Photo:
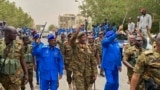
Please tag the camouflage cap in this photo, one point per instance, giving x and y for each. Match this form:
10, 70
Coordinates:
80, 34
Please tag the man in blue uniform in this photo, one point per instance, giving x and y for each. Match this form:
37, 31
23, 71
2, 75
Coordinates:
36, 57
50, 65
111, 59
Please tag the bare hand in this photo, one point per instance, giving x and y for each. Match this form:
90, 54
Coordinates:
138, 31
60, 77
25, 78
120, 69
38, 40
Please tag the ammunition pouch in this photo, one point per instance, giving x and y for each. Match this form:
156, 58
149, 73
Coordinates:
10, 66
28, 58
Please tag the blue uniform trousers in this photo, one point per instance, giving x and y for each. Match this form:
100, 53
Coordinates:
112, 79
48, 84
37, 72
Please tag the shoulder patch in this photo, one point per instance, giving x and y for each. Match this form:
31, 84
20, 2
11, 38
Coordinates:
148, 52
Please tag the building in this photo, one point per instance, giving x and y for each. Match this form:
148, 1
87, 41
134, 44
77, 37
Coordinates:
70, 20
66, 20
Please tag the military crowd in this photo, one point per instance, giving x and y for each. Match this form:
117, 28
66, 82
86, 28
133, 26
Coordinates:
79, 54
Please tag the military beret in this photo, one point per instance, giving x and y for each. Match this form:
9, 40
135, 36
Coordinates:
109, 33
80, 34
36, 35
50, 36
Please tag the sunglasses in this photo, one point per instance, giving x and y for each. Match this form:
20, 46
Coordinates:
139, 40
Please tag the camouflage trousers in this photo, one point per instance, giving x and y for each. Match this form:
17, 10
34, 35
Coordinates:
82, 80
30, 77
8, 84
129, 73
68, 74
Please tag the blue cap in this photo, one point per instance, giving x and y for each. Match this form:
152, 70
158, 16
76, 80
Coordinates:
51, 36
109, 33
36, 36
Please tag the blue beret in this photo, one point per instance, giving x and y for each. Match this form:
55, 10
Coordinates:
50, 36
109, 33
36, 36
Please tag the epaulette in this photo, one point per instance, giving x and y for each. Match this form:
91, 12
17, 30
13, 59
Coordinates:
148, 52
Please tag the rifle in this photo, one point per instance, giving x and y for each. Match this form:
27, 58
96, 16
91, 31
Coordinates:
124, 18
43, 29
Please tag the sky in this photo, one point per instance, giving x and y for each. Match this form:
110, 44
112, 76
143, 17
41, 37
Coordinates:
48, 10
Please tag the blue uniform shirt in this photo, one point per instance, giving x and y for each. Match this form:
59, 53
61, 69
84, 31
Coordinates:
51, 63
111, 56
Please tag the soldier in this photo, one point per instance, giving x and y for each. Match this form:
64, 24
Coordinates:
36, 57
81, 60
94, 53
12, 61
29, 61
98, 42
67, 52
146, 72
130, 56
61, 41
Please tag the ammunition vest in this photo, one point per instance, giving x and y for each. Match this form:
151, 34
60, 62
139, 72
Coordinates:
28, 55
9, 65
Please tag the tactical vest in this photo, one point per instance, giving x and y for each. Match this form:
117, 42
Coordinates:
9, 65
28, 55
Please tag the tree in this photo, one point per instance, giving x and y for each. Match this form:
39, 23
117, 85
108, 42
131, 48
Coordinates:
115, 10
51, 27
14, 15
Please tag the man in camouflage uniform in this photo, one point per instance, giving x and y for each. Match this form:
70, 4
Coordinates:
98, 42
146, 72
94, 52
61, 41
29, 61
81, 60
12, 61
67, 52
130, 56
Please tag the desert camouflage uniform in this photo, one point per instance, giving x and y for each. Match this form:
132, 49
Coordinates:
148, 65
93, 61
130, 55
67, 52
99, 48
29, 66
81, 64
13, 81
61, 44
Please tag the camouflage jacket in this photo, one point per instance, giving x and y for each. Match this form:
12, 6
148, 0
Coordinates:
67, 52
131, 54
81, 57
93, 59
99, 45
148, 65
17, 47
